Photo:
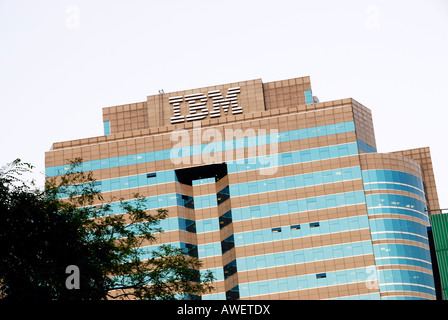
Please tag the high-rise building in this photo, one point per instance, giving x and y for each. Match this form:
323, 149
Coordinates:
280, 195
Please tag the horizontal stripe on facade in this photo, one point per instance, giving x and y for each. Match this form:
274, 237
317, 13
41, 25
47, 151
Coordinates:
226, 145
387, 235
304, 256
166, 165
395, 210
277, 285
303, 242
395, 193
168, 188
401, 241
325, 227
286, 206
407, 295
297, 205
214, 248
350, 291
209, 251
141, 180
332, 115
403, 254
294, 181
300, 269
411, 289
373, 176
400, 217
403, 260
405, 267
393, 188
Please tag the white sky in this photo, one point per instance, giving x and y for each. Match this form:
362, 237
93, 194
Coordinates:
61, 62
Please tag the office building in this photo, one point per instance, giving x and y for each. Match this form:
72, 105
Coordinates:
280, 195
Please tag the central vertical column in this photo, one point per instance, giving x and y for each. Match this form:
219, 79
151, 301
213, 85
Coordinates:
207, 195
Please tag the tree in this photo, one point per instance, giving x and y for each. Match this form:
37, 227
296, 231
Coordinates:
42, 232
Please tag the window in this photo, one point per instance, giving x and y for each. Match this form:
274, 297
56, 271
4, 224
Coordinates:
233, 294
223, 195
192, 250
96, 183
275, 230
295, 227
186, 201
314, 224
230, 269
227, 244
225, 219
321, 275
106, 128
150, 175
190, 226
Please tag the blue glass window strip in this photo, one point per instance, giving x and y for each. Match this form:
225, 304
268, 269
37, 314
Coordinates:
398, 236
325, 227
383, 225
260, 236
399, 204
379, 176
309, 281
298, 205
392, 186
282, 183
295, 181
168, 176
259, 211
298, 256
106, 128
396, 250
156, 202
193, 150
402, 211
401, 297
207, 225
366, 296
218, 273
209, 250
177, 223
308, 97
404, 261
299, 156
395, 280
146, 252
214, 296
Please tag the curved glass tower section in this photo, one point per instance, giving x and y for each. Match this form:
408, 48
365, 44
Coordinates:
398, 218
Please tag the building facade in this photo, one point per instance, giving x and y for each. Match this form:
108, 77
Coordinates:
280, 195
439, 227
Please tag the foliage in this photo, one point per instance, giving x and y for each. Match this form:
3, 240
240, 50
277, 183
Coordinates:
43, 232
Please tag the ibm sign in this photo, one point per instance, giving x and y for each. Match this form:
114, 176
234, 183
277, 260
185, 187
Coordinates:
197, 105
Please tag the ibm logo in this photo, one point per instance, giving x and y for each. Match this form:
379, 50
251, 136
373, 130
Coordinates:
197, 105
